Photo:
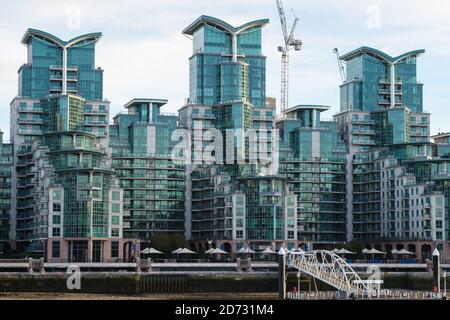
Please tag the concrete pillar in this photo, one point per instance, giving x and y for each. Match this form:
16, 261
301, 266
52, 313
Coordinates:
30, 265
41, 265
138, 265
64, 71
89, 251
107, 251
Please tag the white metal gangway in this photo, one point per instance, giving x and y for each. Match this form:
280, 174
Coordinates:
329, 268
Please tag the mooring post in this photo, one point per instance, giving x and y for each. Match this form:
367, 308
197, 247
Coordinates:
138, 265
436, 272
149, 265
42, 265
281, 274
30, 265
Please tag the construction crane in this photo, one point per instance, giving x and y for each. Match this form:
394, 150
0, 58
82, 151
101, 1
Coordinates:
340, 64
289, 43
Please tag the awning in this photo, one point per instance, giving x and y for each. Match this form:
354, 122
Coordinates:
403, 251
344, 251
184, 251
245, 250
268, 250
217, 251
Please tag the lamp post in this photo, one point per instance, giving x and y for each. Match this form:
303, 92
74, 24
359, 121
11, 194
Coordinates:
281, 274
436, 271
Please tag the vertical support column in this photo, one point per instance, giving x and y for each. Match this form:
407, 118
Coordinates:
30, 265
64, 71
281, 274
392, 85
41, 265
436, 272
89, 250
234, 40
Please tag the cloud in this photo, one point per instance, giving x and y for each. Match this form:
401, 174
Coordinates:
144, 53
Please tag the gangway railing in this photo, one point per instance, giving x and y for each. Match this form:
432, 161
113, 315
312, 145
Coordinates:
329, 268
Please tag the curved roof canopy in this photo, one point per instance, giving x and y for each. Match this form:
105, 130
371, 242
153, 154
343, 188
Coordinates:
222, 25
380, 54
320, 108
161, 102
30, 33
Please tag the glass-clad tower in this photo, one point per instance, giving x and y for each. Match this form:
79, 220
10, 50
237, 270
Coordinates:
154, 187
235, 203
68, 206
313, 160
227, 63
6, 167
397, 189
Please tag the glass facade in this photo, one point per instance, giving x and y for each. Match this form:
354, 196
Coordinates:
154, 187
43, 74
227, 63
6, 163
63, 178
75, 188
398, 176
370, 74
313, 160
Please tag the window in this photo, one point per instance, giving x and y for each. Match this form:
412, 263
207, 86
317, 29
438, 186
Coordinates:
239, 212
56, 219
116, 196
290, 201
439, 224
239, 234
290, 223
115, 220
290, 212
56, 207
56, 249
114, 249
114, 232
290, 234
56, 232
115, 207
239, 223
57, 194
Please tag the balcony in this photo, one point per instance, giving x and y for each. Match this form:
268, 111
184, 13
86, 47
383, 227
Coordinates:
363, 121
96, 123
263, 118
95, 112
29, 131
363, 131
32, 121
363, 142
31, 109
203, 116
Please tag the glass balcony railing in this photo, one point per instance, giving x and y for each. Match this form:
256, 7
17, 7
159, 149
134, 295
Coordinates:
363, 131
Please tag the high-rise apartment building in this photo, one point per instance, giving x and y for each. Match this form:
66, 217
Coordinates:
236, 202
67, 204
6, 166
75, 188
396, 194
154, 186
313, 160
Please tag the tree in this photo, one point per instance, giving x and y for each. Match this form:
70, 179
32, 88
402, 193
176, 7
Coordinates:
355, 246
167, 242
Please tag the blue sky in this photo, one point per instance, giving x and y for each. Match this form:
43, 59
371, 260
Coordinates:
144, 53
